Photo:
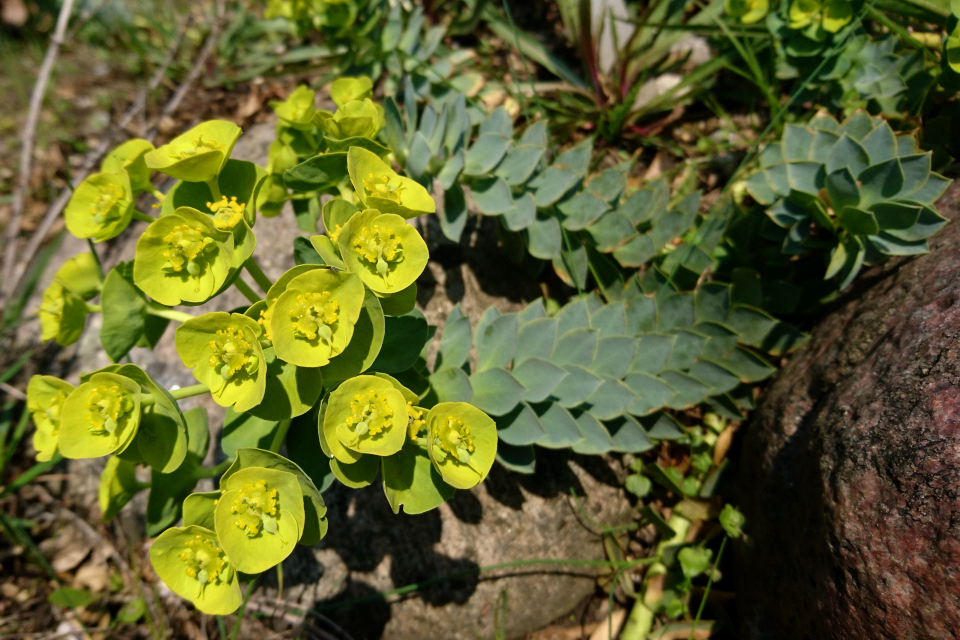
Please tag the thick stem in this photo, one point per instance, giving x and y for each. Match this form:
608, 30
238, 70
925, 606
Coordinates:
246, 290
139, 215
214, 187
169, 314
280, 435
94, 308
156, 193
189, 392
212, 472
253, 268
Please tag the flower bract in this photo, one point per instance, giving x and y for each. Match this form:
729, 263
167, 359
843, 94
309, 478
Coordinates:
129, 158
379, 187
312, 321
197, 155
357, 118
81, 275
182, 257
100, 416
344, 90
748, 11
45, 398
224, 351
259, 517
387, 253
298, 109
366, 415
462, 443
832, 15
62, 315
100, 208
192, 563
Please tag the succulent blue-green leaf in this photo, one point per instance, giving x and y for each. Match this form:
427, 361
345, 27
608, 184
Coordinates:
577, 347
582, 210
519, 164
410, 480
451, 385
404, 336
539, 377
452, 212
610, 231
495, 391
858, 125
555, 183
574, 315
880, 182
497, 342
628, 436
536, 339
770, 155
662, 426
824, 122
490, 314
848, 153
857, 221
519, 427
641, 313
746, 364
796, 142
823, 143
544, 239
725, 406
610, 319
675, 311
596, 438
931, 190
806, 177
916, 172
786, 212
842, 189
486, 153
751, 324
714, 376
653, 350
690, 391
614, 356
451, 170
759, 188
610, 400
522, 214
518, 459
712, 302
896, 215
533, 311
651, 393
927, 224
455, 344
576, 386
686, 347
492, 195
419, 156
497, 122
880, 144
561, 429
893, 246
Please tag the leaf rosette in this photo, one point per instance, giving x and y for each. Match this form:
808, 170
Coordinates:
100, 208
99, 417
365, 415
45, 398
182, 257
380, 187
462, 443
224, 351
197, 155
192, 563
312, 321
129, 158
387, 253
259, 517
357, 118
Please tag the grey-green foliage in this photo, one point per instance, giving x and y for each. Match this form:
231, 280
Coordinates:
599, 377
855, 189
561, 215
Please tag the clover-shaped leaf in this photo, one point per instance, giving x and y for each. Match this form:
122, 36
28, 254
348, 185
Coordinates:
379, 187
259, 517
45, 398
387, 253
462, 443
312, 321
100, 416
197, 155
183, 257
365, 415
224, 351
192, 563
100, 208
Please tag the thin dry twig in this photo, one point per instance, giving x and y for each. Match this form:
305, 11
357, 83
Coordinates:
29, 138
13, 392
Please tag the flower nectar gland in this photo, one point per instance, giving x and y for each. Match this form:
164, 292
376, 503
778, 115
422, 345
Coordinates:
204, 560
379, 246
314, 314
107, 405
185, 247
231, 353
381, 188
255, 508
370, 416
453, 439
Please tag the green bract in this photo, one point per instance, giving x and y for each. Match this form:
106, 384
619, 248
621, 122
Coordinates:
224, 351
952, 46
100, 416
365, 414
312, 321
81, 275
387, 253
357, 118
379, 187
748, 11
462, 443
344, 90
259, 517
45, 398
101, 207
129, 158
197, 155
62, 315
192, 563
182, 257
832, 15
298, 109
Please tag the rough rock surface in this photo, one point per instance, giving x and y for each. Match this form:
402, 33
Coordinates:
850, 476
369, 549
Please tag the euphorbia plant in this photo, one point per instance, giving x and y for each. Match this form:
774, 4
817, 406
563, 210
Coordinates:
306, 364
